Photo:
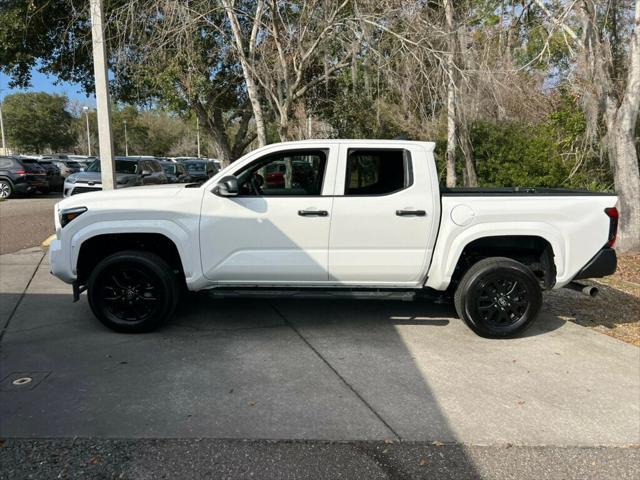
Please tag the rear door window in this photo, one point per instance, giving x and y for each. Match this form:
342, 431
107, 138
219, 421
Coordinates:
377, 172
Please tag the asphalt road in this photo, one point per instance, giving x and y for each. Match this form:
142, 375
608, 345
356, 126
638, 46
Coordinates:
304, 388
258, 459
26, 221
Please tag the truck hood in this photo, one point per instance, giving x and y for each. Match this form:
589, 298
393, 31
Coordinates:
124, 196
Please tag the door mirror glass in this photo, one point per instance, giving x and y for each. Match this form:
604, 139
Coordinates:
227, 187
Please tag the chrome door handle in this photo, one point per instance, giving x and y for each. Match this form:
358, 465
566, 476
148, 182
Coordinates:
411, 213
313, 213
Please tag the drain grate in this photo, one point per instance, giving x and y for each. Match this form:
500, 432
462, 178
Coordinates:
19, 381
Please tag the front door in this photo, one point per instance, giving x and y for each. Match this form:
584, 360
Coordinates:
383, 221
276, 231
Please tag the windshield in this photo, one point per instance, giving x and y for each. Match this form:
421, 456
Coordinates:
169, 168
122, 166
73, 164
194, 166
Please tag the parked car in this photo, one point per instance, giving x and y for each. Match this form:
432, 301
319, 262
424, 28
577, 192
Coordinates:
68, 167
54, 178
21, 176
368, 219
54, 175
130, 172
83, 161
176, 172
200, 170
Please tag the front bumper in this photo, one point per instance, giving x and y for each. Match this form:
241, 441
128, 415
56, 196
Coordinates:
79, 187
602, 264
60, 263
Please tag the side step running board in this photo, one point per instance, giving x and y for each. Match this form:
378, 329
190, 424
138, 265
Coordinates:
223, 292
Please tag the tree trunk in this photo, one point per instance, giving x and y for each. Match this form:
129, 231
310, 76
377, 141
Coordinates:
215, 126
620, 117
451, 100
626, 174
247, 73
471, 177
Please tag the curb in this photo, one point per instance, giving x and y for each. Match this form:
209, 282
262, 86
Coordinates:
48, 241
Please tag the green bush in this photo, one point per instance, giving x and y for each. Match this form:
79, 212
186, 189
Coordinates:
535, 156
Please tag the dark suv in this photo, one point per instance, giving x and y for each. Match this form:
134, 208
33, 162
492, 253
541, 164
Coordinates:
54, 177
130, 172
21, 176
200, 170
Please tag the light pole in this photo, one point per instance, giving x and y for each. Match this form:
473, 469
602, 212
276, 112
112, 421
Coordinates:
126, 140
100, 72
4, 145
85, 109
198, 134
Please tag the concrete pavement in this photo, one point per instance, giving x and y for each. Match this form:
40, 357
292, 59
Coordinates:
307, 370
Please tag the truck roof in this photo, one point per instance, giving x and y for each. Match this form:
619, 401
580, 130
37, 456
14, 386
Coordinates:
429, 146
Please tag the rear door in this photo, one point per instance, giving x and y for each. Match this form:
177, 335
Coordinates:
383, 217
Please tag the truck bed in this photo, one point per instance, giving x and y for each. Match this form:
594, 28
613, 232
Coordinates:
509, 191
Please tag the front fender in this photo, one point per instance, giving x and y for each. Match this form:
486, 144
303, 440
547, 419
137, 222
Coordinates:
173, 231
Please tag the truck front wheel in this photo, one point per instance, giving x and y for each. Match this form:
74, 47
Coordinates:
133, 291
498, 297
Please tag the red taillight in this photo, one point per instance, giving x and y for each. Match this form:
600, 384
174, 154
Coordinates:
21, 172
613, 215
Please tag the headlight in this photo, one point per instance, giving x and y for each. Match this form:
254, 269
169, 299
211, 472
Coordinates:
69, 214
71, 179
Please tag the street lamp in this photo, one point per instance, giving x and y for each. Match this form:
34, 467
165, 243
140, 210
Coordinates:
4, 145
126, 140
198, 134
86, 111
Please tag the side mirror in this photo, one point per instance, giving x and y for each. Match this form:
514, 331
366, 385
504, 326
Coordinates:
227, 187
146, 173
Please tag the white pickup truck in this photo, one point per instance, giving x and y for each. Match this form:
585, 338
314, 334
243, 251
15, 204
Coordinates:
356, 217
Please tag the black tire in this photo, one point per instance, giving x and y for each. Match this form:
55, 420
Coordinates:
133, 291
6, 189
498, 298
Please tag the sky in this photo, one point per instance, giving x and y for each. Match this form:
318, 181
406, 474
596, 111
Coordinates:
46, 83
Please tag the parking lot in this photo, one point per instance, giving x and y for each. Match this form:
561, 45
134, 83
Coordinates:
26, 221
395, 382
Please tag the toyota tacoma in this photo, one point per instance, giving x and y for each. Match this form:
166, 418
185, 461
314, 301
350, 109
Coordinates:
340, 217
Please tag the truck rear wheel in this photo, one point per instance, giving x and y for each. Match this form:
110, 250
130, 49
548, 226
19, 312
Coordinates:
498, 297
133, 291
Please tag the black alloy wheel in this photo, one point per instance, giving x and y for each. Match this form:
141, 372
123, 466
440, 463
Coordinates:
133, 291
498, 297
502, 300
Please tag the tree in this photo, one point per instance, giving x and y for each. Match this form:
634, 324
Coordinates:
608, 84
619, 108
166, 52
282, 46
37, 121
